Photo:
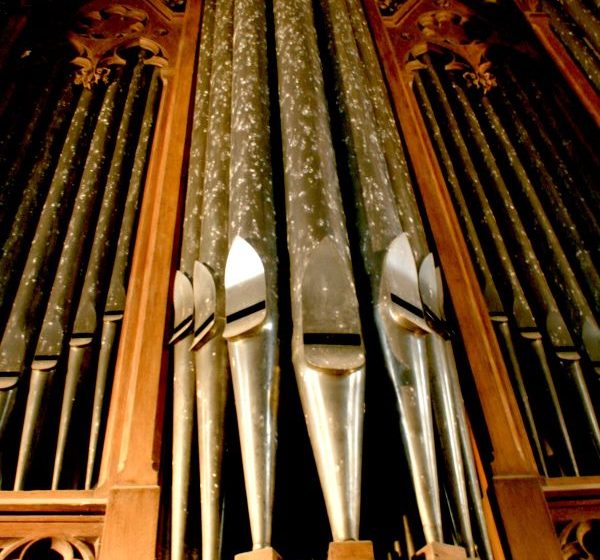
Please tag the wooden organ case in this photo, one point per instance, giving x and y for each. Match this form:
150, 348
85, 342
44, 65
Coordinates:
456, 71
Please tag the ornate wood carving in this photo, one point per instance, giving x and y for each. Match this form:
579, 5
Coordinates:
580, 540
48, 547
445, 26
102, 33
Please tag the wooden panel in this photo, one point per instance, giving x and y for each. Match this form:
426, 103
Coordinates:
527, 523
131, 524
83, 526
135, 422
58, 501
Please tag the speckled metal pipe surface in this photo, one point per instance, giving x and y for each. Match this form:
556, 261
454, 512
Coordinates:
327, 350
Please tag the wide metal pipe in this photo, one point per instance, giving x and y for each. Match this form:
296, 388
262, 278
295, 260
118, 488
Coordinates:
212, 372
327, 349
380, 228
251, 270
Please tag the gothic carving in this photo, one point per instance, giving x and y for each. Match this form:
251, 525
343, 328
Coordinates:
389, 7
580, 540
42, 548
444, 26
101, 35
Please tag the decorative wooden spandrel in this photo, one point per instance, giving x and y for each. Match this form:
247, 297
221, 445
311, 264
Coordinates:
103, 31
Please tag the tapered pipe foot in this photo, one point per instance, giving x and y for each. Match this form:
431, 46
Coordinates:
266, 553
351, 550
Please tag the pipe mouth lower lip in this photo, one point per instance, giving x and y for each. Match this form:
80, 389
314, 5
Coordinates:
9, 380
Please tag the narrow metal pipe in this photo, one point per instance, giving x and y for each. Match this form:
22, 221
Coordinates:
568, 222
39, 383
251, 269
209, 347
584, 18
557, 330
327, 350
58, 311
47, 222
183, 410
95, 281
20, 329
444, 404
561, 151
107, 339
578, 49
563, 277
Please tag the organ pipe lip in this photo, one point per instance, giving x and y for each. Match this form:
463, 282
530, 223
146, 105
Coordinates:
204, 301
9, 380
245, 289
183, 303
332, 338
399, 294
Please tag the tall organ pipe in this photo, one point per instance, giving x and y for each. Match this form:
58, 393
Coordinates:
404, 343
327, 350
251, 269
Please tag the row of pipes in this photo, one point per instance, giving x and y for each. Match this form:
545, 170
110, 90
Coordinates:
69, 203
225, 320
534, 240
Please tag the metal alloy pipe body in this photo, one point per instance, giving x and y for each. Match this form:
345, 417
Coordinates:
518, 303
251, 269
95, 283
494, 303
388, 255
210, 349
327, 349
59, 308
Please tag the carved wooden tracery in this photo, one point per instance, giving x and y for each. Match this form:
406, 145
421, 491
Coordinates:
103, 31
48, 547
444, 26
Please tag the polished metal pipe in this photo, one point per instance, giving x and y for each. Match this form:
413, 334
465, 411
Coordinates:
251, 269
210, 349
387, 254
327, 350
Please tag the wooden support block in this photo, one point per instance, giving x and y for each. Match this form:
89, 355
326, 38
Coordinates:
441, 551
266, 553
351, 550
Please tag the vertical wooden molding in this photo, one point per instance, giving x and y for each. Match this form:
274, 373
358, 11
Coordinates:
132, 452
515, 479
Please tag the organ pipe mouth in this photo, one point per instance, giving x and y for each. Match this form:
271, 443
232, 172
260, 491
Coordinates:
330, 321
245, 289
